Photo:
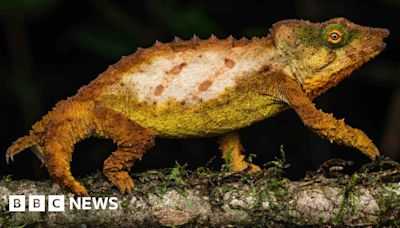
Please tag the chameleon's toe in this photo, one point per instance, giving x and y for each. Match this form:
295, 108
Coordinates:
121, 180
371, 151
18, 146
8, 157
79, 190
366, 146
245, 166
251, 168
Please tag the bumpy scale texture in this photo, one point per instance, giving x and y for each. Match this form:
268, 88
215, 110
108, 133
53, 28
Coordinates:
201, 88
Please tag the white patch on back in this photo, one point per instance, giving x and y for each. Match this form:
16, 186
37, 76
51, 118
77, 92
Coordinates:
220, 67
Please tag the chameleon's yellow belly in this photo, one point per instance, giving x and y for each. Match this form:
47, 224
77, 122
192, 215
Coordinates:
214, 117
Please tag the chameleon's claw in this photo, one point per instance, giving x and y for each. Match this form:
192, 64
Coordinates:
8, 157
121, 180
251, 168
79, 190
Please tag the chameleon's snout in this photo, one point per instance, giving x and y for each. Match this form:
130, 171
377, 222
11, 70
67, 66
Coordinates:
379, 34
372, 41
383, 32
379, 47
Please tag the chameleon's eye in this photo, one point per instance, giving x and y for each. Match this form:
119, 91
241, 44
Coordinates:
334, 36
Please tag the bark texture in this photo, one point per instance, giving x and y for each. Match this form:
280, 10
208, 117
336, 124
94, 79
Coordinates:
175, 197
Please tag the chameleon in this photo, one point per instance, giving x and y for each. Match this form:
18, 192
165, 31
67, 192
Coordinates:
204, 88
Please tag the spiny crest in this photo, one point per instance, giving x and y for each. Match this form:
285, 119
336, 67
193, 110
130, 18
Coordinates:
177, 40
195, 41
195, 38
158, 43
213, 38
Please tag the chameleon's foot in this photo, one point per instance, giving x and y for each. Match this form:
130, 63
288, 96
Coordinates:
365, 144
242, 165
116, 169
121, 180
78, 189
253, 168
367, 147
232, 153
63, 177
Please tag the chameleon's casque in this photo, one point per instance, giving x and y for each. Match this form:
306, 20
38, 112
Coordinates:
200, 88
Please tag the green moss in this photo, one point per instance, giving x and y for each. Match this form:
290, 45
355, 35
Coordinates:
7, 178
4, 218
177, 174
161, 189
185, 194
390, 199
226, 168
345, 203
275, 168
201, 173
125, 203
250, 157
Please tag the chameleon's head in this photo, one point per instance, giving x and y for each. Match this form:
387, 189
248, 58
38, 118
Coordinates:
320, 55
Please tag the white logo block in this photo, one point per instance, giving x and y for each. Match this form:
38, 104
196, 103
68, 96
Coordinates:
37, 203
16, 203
56, 203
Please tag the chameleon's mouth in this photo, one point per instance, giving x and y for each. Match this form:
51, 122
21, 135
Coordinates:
376, 37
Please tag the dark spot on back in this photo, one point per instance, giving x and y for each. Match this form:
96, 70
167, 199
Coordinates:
204, 85
266, 68
159, 89
176, 69
229, 63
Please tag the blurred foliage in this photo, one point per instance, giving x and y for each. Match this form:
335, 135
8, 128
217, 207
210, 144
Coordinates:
188, 20
106, 42
27, 7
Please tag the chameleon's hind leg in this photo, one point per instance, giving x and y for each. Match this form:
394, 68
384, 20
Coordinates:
132, 141
232, 149
57, 163
61, 135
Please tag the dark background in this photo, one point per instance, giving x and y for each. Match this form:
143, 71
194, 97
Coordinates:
50, 48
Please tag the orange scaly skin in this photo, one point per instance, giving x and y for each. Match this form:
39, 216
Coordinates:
202, 88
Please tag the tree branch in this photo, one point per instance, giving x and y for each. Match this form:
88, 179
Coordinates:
204, 198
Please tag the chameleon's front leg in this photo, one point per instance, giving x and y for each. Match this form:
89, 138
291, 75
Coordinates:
325, 124
232, 149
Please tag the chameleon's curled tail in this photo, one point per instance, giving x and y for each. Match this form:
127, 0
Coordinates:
28, 141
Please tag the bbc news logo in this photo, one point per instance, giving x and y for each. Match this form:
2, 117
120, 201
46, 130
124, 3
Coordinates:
57, 203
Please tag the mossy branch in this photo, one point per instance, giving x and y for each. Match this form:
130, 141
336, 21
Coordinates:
177, 196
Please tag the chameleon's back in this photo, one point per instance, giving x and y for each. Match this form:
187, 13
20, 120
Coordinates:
189, 88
